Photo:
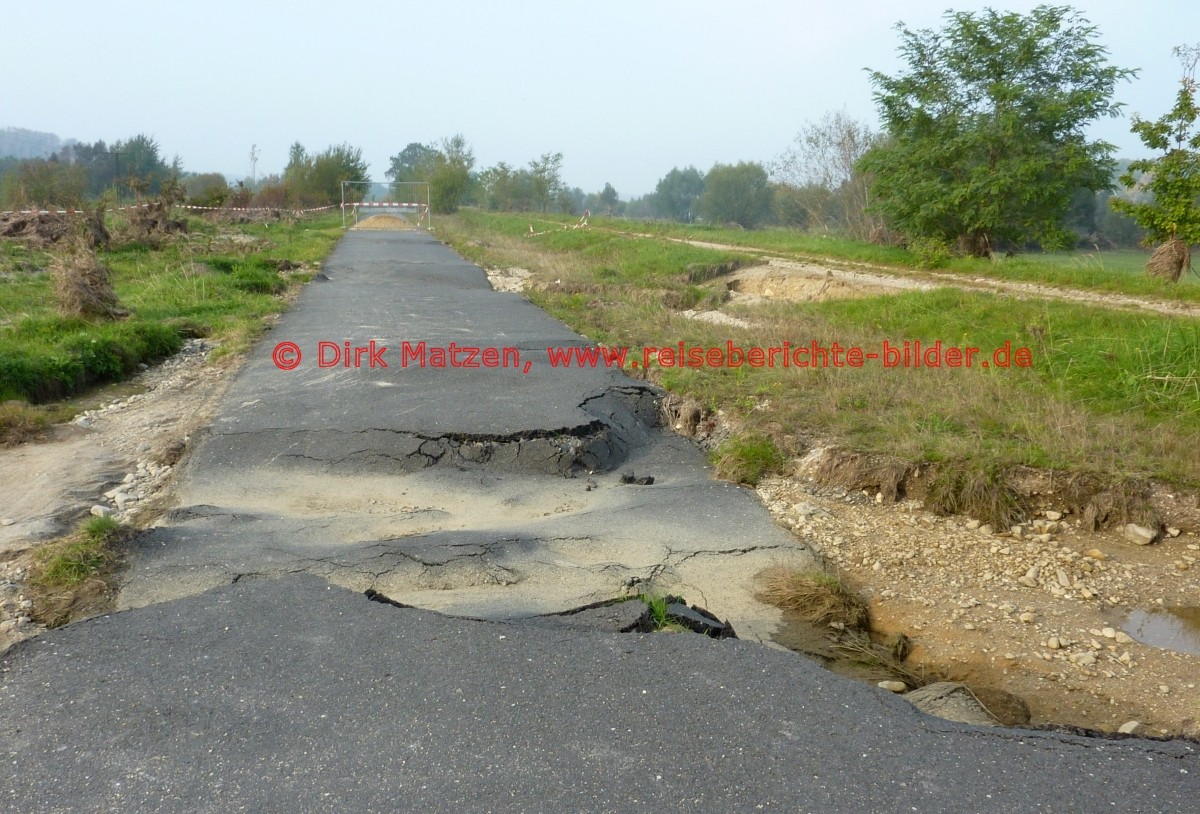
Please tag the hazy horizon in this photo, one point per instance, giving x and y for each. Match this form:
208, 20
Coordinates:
624, 90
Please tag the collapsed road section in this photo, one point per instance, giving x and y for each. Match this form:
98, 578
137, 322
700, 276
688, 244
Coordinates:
478, 491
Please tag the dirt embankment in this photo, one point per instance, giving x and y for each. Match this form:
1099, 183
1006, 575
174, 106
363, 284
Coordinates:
117, 458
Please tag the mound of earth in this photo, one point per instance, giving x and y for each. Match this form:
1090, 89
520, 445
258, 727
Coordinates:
384, 223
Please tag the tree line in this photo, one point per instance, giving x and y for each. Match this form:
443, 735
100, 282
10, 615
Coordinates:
982, 149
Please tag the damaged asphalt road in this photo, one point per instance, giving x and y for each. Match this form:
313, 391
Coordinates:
292, 695
489, 492
250, 671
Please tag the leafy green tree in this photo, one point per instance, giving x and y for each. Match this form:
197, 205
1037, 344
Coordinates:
207, 189
332, 166
676, 194
38, 182
986, 127
1172, 216
450, 180
141, 161
315, 180
736, 193
547, 179
609, 197
416, 162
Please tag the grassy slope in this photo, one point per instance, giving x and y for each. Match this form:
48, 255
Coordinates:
1111, 391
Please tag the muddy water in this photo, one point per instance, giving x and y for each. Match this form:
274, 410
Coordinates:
1172, 628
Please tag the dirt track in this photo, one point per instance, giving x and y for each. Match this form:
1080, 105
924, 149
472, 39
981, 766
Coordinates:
855, 275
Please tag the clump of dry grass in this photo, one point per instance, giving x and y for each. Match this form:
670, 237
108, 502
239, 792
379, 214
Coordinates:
1170, 260
21, 422
1127, 500
879, 473
83, 285
980, 492
818, 597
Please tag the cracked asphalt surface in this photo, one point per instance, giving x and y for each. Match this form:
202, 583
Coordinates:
483, 492
250, 673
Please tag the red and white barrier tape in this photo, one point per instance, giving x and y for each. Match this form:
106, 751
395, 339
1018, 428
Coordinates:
177, 206
67, 211
384, 204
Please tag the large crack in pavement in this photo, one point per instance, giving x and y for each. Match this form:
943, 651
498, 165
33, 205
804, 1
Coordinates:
472, 492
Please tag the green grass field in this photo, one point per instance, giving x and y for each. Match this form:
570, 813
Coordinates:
218, 281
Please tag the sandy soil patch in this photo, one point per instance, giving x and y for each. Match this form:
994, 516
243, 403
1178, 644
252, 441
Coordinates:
386, 223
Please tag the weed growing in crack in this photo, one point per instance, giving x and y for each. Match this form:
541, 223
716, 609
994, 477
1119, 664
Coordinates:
658, 614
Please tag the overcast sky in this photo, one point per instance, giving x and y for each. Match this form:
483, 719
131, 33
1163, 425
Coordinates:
626, 90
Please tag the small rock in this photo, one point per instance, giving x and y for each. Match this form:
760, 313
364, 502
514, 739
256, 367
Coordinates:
101, 511
7, 521
1123, 637
1108, 633
1140, 535
1164, 689
893, 686
968, 626
1027, 617
1095, 554
1173, 532
1053, 515
1130, 727
973, 524
1063, 579
1054, 643
1083, 659
130, 478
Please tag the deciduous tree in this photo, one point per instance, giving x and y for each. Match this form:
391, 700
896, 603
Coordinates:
986, 127
736, 193
676, 194
1171, 216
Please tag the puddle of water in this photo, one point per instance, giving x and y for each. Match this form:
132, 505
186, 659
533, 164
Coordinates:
1175, 628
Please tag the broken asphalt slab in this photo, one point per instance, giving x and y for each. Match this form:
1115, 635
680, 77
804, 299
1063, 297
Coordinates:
294, 695
494, 493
